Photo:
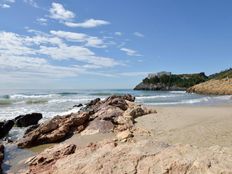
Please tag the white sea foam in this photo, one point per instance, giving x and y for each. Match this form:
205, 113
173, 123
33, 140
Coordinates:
156, 96
22, 96
177, 92
190, 101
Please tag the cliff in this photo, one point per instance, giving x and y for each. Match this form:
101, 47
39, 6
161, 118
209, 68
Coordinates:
171, 82
218, 84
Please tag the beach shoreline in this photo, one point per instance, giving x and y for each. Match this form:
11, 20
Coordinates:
200, 126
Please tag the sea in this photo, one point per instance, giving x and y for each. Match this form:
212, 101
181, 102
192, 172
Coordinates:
61, 101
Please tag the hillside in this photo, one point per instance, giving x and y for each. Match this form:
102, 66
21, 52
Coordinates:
213, 87
171, 82
218, 84
223, 74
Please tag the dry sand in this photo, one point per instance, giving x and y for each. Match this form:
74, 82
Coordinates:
200, 126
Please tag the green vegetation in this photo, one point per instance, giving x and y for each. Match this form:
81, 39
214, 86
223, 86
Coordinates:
221, 75
181, 80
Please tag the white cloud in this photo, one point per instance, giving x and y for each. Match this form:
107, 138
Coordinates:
10, 1
118, 33
30, 56
131, 74
4, 6
89, 41
32, 3
138, 34
130, 52
90, 23
57, 11
42, 21
66, 17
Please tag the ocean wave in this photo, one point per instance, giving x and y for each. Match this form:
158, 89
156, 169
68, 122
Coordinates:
224, 97
67, 93
104, 94
73, 110
177, 92
26, 96
36, 101
4, 102
190, 101
69, 100
155, 97
5, 96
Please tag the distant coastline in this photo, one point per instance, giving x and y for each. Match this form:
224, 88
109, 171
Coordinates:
215, 84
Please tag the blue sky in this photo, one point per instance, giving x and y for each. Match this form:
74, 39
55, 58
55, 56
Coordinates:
108, 43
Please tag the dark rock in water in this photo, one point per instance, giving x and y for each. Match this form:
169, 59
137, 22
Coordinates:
6, 127
1, 156
93, 102
28, 119
1, 123
77, 106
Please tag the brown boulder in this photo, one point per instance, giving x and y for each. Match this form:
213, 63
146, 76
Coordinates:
98, 126
54, 130
127, 97
144, 156
45, 160
116, 113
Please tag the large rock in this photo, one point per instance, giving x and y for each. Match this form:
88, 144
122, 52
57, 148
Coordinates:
98, 126
44, 161
144, 156
124, 135
116, 113
1, 156
54, 130
213, 87
5, 127
28, 119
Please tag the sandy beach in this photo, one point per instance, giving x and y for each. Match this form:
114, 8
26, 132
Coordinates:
180, 131
200, 126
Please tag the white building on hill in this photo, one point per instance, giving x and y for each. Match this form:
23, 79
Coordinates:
159, 74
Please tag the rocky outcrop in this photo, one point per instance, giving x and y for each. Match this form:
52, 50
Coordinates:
55, 130
1, 156
5, 127
213, 87
78, 105
144, 156
28, 119
116, 113
45, 161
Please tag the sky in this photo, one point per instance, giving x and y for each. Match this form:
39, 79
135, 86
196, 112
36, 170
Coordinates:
86, 44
